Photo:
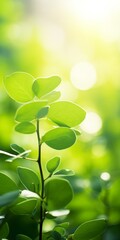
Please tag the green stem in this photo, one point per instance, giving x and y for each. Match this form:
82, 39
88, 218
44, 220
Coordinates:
39, 160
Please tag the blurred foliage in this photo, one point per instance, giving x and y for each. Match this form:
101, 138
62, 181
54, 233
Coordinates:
30, 41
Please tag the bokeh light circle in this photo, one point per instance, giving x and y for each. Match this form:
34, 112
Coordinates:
92, 123
83, 75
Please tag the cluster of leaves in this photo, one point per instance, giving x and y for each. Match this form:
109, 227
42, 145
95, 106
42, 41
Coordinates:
39, 197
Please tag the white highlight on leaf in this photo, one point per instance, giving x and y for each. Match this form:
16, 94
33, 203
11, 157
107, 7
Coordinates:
29, 194
59, 213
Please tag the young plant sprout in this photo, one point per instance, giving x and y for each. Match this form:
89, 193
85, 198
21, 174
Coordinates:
37, 197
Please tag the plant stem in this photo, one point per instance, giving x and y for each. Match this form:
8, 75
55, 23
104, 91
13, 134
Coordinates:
39, 160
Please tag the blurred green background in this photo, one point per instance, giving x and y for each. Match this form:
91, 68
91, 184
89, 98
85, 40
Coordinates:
79, 40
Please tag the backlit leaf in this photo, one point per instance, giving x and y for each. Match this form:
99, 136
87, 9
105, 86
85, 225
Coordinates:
24, 207
25, 127
8, 198
42, 86
58, 193
59, 138
90, 229
6, 184
19, 86
66, 113
28, 112
52, 164
43, 112
17, 148
64, 172
52, 96
29, 179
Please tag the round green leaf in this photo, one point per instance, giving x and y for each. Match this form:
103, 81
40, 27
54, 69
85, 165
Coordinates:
29, 179
4, 230
52, 96
52, 164
28, 112
25, 127
90, 229
24, 207
59, 138
19, 86
43, 112
22, 237
6, 184
8, 198
42, 86
66, 113
58, 193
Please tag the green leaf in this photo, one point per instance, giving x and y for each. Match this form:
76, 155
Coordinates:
59, 138
43, 112
60, 230
21, 155
17, 148
90, 229
42, 86
66, 113
19, 86
4, 230
29, 179
51, 97
58, 193
22, 237
64, 225
64, 172
24, 207
25, 127
8, 198
52, 164
6, 184
28, 112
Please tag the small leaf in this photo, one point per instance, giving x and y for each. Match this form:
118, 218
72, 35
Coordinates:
52, 164
19, 86
42, 86
60, 230
64, 172
90, 229
59, 138
29, 179
25, 127
24, 207
22, 237
58, 193
51, 97
21, 155
64, 225
66, 113
8, 198
6, 184
43, 112
4, 231
17, 148
28, 111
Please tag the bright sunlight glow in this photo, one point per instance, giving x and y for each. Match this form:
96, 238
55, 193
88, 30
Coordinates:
105, 176
83, 75
93, 11
92, 123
